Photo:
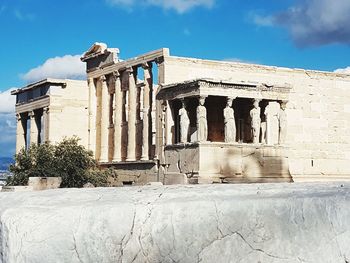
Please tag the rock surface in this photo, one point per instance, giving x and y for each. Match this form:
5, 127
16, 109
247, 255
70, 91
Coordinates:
207, 223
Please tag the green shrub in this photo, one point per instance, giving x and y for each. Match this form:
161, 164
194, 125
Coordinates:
66, 159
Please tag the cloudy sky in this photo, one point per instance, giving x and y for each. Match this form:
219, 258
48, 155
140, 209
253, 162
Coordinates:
45, 38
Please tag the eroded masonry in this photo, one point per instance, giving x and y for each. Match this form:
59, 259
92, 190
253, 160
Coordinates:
171, 119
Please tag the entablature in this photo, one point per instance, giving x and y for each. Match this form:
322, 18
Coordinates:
209, 87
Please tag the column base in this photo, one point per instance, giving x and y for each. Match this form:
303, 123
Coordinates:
103, 160
144, 158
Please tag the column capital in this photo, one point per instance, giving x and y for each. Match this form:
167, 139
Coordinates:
102, 78
18, 116
90, 81
159, 60
146, 65
129, 70
283, 102
115, 75
31, 114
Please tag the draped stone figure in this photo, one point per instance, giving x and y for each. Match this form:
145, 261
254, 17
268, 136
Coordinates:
282, 116
255, 121
184, 123
202, 125
229, 120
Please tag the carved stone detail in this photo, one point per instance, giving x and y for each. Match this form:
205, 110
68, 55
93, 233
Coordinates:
202, 124
184, 123
255, 121
229, 120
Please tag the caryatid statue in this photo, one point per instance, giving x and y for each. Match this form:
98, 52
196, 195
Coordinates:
255, 121
184, 123
229, 120
282, 118
202, 125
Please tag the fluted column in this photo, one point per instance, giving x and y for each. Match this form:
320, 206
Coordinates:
45, 124
33, 129
147, 97
104, 119
118, 111
92, 115
21, 132
131, 152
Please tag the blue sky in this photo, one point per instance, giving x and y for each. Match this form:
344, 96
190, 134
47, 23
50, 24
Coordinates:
45, 38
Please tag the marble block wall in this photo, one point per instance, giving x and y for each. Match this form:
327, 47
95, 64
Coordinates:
318, 111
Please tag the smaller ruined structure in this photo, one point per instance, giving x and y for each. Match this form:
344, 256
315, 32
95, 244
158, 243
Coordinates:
50, 110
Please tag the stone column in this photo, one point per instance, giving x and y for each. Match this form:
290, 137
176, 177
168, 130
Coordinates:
255, 121
21, 132
104, 119
169, 124
147, 97
184, 123
92, 115
131, 152
33, 139
46, 121
229, 120
118, 111
202, 124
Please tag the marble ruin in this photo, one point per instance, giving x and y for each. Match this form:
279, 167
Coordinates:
50, 110
158, 117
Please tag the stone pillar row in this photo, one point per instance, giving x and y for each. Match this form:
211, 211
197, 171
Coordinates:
125, 80
276, 122
35, 127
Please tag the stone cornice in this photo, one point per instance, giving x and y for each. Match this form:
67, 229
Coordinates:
209, 87
122, 65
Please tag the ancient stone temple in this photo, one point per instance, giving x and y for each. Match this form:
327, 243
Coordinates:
158, 117
51, 109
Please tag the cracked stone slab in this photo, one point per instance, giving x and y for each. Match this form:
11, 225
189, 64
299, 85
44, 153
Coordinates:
195, 223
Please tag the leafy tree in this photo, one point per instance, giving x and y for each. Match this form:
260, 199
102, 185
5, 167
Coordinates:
66, 159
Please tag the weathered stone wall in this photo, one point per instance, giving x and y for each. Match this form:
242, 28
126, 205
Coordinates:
134, 173
222, 162
68, 112
318, 111
216, 223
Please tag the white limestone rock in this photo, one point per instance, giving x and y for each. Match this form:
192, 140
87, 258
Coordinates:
207, 223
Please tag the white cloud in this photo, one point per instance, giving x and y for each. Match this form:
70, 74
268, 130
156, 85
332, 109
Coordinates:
180, 6
7, 101
314, 22
67, 66
343, 70
261, 20
8, 134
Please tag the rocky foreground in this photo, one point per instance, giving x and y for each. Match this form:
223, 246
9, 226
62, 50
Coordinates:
201, 223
